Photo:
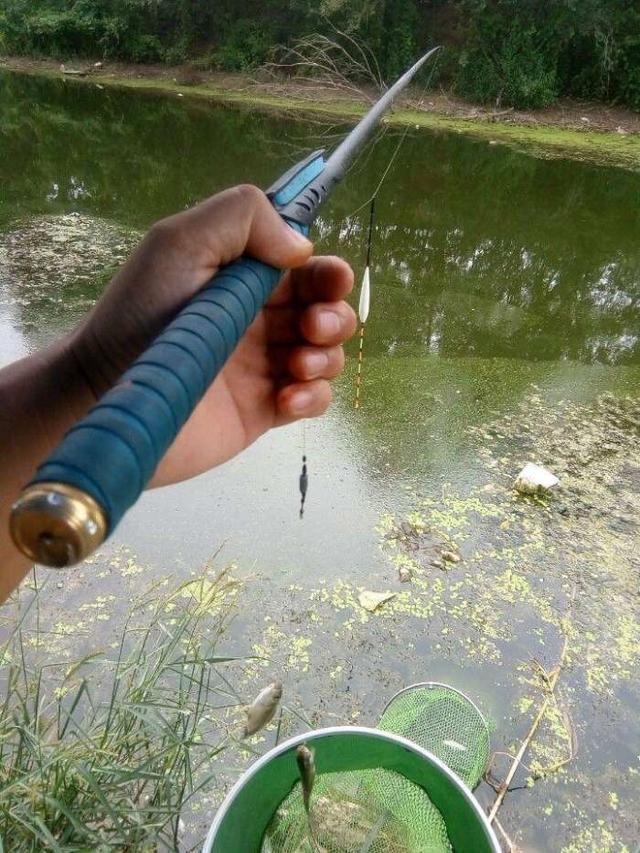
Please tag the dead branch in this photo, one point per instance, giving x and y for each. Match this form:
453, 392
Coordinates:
336, 63
490, 777
573, 750
498, 114
510, 846
550, 679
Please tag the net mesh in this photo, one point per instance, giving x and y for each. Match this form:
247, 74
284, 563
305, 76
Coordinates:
445, 723
379, 811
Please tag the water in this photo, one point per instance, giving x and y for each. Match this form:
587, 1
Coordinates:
496, 277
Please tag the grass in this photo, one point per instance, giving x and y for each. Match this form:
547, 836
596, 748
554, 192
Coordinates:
106, 753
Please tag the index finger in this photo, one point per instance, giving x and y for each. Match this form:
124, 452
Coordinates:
323, 278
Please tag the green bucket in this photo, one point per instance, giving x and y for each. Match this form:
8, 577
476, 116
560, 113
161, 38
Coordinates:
393, 778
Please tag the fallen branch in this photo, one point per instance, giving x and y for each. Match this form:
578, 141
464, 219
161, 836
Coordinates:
495, 115
573, 750
551, 681
335, 63
80, 72
491, 779
508, 843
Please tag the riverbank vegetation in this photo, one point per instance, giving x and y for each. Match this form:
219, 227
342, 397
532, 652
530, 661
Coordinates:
520, 53
106, 750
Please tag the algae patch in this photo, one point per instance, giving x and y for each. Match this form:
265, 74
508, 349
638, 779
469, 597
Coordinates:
59, 264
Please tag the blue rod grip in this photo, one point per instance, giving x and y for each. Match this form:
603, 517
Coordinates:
112, 453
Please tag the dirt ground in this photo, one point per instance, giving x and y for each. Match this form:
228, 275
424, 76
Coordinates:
574, 115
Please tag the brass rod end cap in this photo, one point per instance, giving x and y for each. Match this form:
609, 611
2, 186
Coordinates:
57, 525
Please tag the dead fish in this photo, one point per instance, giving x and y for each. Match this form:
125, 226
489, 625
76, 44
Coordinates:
261, 710
307, 768
453, 744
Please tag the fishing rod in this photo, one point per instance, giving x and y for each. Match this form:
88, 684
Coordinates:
81, 492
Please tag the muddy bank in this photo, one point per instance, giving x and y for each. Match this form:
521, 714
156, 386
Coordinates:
584, 131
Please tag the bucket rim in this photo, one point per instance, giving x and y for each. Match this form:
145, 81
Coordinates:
331, 731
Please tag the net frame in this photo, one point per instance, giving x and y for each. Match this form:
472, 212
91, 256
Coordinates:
433, 685
474, 774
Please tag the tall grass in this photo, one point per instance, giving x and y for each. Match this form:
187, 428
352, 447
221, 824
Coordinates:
105, 754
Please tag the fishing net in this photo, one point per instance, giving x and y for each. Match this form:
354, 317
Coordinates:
380, 811
446, 723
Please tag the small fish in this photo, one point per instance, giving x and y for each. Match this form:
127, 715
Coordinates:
262, 709
307, 768
453, 744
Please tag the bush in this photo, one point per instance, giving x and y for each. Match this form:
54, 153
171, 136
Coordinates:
245, 46
522, 53
144, 48
511, 67
177, 53
628, 73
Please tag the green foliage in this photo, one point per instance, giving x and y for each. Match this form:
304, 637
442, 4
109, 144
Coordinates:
522, 53
515, 73
246, 46
100, 754
512, 52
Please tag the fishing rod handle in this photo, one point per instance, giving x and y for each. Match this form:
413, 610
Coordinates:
80, 493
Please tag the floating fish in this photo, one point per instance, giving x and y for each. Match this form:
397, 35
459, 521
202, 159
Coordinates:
261, 710
453, 744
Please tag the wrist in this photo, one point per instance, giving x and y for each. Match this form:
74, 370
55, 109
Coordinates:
93, 371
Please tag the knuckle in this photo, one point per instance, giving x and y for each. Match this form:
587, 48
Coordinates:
336, 363
169, 233
249, 194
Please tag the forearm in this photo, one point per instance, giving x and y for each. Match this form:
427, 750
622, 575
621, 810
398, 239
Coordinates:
40, 398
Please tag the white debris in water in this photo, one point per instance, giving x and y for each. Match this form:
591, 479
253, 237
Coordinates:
535, 480
371, 601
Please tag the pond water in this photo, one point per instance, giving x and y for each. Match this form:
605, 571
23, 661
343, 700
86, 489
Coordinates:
506, 302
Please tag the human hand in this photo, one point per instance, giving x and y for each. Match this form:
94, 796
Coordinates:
280, 370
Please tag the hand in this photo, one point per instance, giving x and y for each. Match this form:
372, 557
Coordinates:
280, 370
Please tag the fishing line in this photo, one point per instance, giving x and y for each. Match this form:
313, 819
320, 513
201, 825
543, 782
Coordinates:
365, 300
365, 291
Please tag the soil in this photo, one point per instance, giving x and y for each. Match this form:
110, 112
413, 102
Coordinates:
564, 114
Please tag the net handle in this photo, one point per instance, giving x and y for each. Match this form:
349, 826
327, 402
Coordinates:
246, 812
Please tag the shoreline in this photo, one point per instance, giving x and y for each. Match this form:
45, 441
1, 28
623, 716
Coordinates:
593, 133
